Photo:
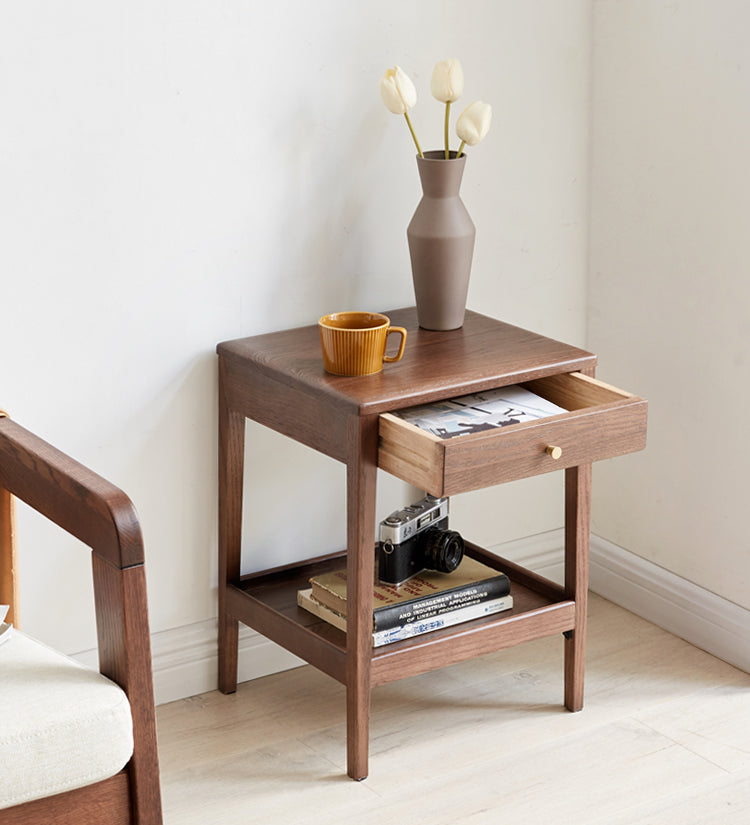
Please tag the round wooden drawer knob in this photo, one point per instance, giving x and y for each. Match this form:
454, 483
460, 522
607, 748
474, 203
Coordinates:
554, 452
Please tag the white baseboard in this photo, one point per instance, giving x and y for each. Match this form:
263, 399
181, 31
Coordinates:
185, 658
693, 613
542, 553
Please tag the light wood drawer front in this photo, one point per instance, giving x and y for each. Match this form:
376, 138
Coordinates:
602, 422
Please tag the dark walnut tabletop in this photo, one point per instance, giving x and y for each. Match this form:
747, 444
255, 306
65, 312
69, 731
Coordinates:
484, 353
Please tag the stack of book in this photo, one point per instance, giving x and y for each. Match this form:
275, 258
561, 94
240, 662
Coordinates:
426, 602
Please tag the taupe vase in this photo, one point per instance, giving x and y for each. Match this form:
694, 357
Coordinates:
441, 243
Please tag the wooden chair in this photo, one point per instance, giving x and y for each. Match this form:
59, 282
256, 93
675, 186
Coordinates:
102, 516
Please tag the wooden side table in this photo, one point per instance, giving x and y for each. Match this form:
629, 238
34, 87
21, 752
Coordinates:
278, 380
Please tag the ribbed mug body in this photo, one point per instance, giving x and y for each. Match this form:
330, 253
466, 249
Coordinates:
353, 343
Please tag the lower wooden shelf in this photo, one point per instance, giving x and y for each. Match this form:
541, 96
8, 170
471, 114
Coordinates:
267, 602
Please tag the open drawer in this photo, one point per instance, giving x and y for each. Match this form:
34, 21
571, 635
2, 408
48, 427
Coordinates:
601, 422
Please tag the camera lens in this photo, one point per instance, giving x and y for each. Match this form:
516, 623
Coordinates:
443, 549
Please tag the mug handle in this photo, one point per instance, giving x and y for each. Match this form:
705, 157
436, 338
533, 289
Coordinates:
397, 357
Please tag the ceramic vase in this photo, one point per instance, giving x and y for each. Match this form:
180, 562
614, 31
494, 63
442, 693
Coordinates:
441, 243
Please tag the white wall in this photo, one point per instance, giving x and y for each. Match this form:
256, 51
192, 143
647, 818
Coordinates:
669, 311
180, 173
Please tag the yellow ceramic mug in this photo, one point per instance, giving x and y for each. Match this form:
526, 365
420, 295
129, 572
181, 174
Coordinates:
353, 343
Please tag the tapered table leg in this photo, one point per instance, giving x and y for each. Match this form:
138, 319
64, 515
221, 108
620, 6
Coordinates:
361, 488
577, 527
231, 471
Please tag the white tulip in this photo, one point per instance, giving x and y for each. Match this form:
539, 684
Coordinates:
399, 95
397, 91
473, 124
447, 83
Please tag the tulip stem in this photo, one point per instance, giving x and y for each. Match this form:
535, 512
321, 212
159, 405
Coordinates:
461, 149
447, 120
413, 134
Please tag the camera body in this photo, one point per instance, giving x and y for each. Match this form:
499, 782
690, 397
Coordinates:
416, 538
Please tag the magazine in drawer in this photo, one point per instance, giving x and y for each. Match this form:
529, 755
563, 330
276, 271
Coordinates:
598, 421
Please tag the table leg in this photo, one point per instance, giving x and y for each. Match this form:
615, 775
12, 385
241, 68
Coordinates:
231, 470
361, 481
577, 527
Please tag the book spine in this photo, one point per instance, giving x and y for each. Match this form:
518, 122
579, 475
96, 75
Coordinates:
396, 615
306, 601
328, 598
417, 628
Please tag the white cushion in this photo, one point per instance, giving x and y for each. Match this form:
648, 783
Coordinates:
62, 725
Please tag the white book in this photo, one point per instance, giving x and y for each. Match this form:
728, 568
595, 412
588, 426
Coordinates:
407, 631
479, 411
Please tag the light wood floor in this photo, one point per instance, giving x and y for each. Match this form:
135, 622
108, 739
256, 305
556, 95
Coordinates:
664, 738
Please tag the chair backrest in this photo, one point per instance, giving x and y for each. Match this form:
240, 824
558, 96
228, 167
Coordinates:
103, 517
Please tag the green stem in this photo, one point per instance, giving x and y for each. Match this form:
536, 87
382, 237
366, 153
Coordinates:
461, 149
447, 119
411, 129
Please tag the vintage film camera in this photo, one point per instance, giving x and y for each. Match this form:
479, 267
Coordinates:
415, 538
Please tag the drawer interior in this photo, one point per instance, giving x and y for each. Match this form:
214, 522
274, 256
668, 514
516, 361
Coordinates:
575, 391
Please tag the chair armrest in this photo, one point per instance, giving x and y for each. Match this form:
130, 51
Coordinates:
103, 517
69, 494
